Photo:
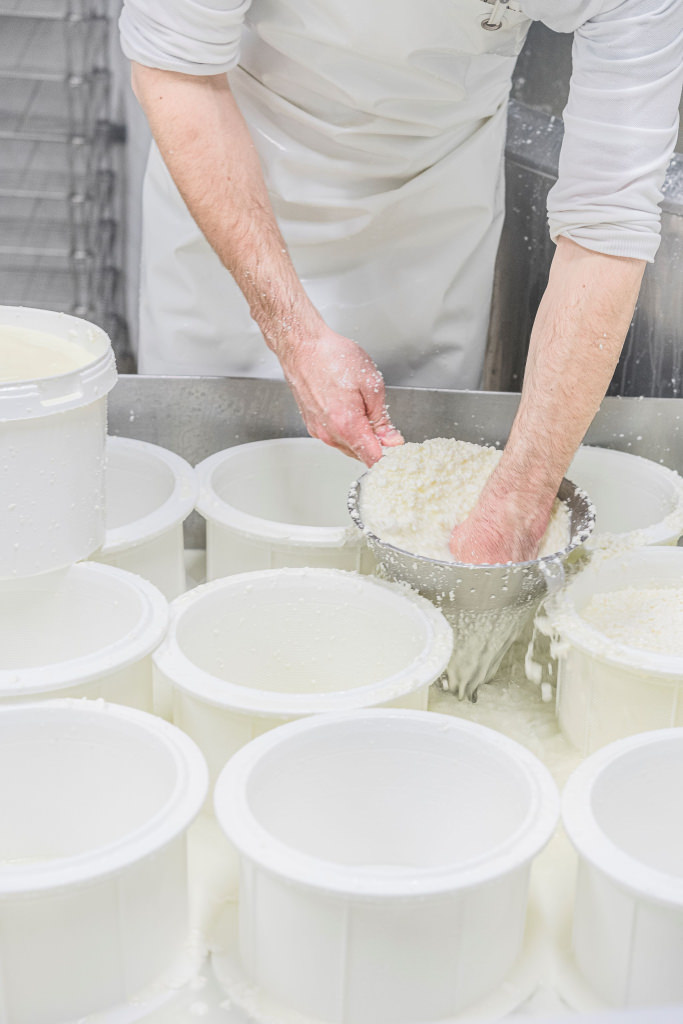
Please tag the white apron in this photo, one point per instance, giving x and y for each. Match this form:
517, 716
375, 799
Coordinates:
381, 126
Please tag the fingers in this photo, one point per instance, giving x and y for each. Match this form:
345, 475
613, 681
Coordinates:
344, 428
387, 434
372, 390
366, 445
345, 411
348, 429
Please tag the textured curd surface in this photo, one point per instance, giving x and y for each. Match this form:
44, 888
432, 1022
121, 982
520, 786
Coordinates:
28, 355
415, 495
649, 618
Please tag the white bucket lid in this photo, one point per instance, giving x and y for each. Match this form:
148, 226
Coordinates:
426, 666
371, 727
124, 453
116, 723
650, 567
29, 399
643, 757
629, 490
302, 450
137, 642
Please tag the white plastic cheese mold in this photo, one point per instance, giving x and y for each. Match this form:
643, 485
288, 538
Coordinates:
85, 631
385, 859
276, 503
622, 811
95, 801
246, 653
150, 491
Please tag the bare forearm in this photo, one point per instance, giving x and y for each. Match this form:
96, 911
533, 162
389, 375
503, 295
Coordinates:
207, 148
575, 345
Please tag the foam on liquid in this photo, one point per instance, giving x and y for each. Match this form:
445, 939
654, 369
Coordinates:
26, 354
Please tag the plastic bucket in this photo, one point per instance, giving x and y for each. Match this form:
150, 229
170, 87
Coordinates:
249, 652
622, 810
277, 503
607, 690
384, 861
95, 801
86, 631
150, 491
52, 436
633, 496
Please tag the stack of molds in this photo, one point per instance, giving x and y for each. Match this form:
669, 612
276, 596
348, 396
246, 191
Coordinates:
96, 796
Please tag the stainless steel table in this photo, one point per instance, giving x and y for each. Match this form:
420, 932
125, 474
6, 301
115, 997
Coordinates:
196, 416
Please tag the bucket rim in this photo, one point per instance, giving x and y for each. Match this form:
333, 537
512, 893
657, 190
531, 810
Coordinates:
169, 820
171, 512
46, 396
122, 652
214, 509
664, 531
545, 565
592, 843
172, 662
567, 623
258, 845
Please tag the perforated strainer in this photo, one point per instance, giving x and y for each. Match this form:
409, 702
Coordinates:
488, 606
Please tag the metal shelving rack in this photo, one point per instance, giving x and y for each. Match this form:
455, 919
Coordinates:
60, 164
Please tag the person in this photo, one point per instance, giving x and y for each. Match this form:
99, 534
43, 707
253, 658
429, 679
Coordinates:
343, 161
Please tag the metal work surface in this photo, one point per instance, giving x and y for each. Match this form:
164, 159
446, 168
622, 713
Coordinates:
197, 416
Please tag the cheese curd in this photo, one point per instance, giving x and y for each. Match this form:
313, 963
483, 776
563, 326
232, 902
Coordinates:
415, 495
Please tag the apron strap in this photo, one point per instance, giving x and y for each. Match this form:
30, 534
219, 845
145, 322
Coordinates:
494, 20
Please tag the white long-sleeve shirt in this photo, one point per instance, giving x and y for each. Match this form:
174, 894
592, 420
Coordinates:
620, 122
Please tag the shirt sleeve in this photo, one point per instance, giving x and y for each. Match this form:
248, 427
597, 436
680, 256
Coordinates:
196, 37
621, 124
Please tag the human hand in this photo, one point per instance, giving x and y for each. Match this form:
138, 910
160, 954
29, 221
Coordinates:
340, 394
497, 532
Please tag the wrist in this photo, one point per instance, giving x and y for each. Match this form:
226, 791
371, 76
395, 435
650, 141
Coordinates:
287, 327
517, 503
288, 332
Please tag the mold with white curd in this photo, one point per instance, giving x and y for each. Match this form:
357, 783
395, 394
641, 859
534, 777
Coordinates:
649, 618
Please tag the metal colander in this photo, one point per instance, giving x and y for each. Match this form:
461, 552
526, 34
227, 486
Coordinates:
488, 606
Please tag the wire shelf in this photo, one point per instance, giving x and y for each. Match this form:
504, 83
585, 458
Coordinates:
60, 163
53, 46
53, 108
66, 285
78, 161
59, 239
54, 10
50, 187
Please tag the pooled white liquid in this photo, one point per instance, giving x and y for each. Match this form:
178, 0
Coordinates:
29, 355
415, 495
649, 618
